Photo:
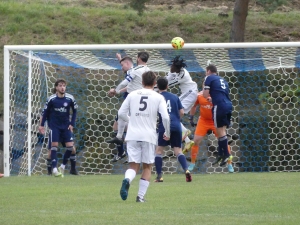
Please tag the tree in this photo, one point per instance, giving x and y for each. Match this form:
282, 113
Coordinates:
240, 13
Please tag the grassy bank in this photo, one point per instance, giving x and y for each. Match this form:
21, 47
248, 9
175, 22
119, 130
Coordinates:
96, 22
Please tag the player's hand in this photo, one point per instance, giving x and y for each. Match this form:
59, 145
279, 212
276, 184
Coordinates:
191, 119
42, 130
112, 92
209, 99
166, 138
118, 55
70, 128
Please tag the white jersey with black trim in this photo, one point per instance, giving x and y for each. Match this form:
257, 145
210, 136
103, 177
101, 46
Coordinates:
143, 106
183, 79
133, 80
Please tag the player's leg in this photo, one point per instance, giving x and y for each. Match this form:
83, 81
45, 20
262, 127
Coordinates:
187, 100
73, 170
54, 138
147, 155
67, 138
119, 137
49, 163
134, 158
175, 143
158, 161
120, 146
222, 116
229, 161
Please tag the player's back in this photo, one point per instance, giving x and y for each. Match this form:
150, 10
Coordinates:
135, 77
218, 89
144, 105
173, 107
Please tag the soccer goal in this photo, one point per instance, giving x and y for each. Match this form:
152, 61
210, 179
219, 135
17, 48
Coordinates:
264, 88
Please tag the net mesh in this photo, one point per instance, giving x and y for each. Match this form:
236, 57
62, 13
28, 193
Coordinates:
264, 88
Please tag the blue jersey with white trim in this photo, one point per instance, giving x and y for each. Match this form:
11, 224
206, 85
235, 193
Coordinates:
57, 111
173, 107
218, 89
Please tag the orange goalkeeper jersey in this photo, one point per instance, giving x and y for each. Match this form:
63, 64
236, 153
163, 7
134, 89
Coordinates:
205, 107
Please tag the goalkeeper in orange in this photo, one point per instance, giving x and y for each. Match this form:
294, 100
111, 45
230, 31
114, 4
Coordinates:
205, 124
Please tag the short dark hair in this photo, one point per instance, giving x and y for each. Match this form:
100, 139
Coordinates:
126, 58
162, 83
212, 68
144, 56
149, 78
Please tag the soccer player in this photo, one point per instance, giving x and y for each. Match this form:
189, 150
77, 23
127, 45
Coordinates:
141, 137
217, 88
127, 65
133, 81
57, 109
175, 111
189, 90
204, 125
1, 175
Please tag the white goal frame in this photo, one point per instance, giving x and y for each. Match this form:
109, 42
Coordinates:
29, 48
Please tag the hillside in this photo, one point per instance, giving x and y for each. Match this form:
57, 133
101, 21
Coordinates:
107, 22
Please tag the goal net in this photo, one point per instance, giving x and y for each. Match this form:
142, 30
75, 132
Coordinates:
264, 88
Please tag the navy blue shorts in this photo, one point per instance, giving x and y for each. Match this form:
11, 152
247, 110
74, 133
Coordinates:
61, 135
222, 115
175, 139
49, 143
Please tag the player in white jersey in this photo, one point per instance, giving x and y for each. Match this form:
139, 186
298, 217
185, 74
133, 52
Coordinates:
143, 106
133, 81
178, 75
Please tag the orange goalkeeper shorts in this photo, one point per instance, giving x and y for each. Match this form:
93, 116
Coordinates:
203, 126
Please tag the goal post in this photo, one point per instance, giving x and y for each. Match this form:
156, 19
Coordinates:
264, 88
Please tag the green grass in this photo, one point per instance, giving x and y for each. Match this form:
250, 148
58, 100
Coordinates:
240, 198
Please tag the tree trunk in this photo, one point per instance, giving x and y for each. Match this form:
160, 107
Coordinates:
240, 13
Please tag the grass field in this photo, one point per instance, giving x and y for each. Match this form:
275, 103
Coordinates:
240, 198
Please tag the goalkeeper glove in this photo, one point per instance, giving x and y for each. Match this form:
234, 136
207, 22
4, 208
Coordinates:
192, 121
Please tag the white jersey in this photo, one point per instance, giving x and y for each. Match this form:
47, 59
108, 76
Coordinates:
183, 78
133, 80
143, 106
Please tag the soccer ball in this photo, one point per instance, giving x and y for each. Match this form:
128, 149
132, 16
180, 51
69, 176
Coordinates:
177, 43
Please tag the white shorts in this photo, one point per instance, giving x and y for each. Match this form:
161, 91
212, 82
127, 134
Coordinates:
188, 99
141, 151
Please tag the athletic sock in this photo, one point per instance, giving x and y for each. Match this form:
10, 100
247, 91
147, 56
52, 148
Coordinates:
158, 164
194, 153
182, 160
54, 157
121, 128
130, 174
49, 166
143, 186
73, 161
223, 145
67, 154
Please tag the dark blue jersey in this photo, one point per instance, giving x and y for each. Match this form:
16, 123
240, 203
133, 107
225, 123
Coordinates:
173, 107
218, 89
57, 111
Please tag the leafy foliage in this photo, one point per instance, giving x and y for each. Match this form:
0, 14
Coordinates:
138, 5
